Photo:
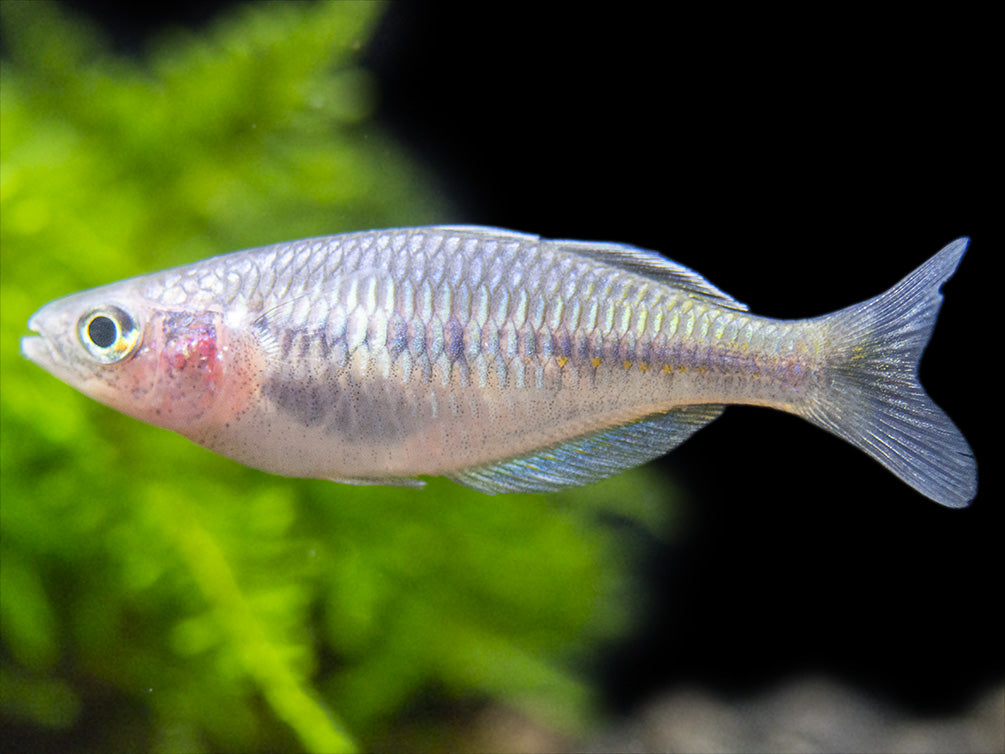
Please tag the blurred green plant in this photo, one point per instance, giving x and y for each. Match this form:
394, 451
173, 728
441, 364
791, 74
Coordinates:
154, 596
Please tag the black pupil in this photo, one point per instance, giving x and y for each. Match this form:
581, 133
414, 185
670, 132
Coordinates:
102, 331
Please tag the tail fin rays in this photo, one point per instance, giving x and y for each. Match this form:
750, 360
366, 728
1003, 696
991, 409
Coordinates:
873, 397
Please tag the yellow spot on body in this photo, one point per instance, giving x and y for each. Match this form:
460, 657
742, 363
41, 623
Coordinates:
627, 365
561, 360
666, 368
595, 362
643, 366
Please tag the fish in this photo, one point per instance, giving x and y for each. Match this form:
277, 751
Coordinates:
501, 360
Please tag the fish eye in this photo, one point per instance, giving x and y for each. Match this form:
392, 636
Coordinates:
108, 333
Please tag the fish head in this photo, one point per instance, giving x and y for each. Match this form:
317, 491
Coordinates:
161, 365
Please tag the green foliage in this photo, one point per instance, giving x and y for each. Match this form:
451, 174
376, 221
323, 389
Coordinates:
158, 597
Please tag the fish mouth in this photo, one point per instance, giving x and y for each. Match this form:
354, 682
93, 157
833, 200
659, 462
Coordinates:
37, 348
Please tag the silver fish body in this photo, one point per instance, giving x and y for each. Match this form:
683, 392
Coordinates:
502, 360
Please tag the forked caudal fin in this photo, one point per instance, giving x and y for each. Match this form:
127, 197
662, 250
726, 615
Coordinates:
874, 399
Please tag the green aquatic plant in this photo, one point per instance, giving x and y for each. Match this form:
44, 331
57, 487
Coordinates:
154, 596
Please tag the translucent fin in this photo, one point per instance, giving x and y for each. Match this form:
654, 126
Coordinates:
652, 265
875, 400
387, 481
630, 258
591, 457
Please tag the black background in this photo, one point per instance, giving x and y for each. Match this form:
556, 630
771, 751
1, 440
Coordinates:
802, 162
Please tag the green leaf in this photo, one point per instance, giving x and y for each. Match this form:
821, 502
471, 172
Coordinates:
157, 594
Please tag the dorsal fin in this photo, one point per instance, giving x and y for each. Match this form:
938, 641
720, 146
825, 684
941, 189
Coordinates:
651, 265
630, 258
591, 457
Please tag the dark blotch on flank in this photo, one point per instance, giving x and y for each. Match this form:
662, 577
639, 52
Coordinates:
378, 411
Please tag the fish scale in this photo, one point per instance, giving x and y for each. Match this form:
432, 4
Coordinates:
504, 361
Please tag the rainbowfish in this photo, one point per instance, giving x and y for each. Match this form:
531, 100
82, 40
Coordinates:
504, 361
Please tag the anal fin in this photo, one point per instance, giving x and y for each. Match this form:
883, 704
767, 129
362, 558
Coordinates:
591, 457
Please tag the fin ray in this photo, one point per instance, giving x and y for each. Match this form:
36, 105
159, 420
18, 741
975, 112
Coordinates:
652, 265
388, 481
591, 457
875, 400
624, 256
